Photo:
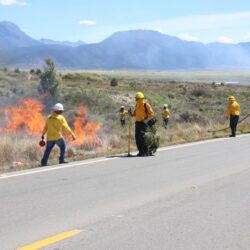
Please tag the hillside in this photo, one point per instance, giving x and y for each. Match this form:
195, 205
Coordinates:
91, 102
11, 37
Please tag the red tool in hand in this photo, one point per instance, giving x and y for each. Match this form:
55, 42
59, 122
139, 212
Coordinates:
42, 142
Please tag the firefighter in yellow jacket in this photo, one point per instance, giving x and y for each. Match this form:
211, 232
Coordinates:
165, 116
233, 113
53, 128
144, 116
123, 113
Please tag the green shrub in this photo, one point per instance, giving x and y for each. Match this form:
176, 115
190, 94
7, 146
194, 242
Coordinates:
113, 82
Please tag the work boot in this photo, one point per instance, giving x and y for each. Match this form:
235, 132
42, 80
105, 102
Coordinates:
63, 162
141, 154
43, 164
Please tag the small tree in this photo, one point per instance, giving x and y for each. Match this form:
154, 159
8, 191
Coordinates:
38, 72
49, 83
113, 82
48, 80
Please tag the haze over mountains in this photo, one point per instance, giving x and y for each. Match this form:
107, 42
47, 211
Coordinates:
130, 50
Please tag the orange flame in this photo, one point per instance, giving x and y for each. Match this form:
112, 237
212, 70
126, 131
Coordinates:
86, 131
25, 117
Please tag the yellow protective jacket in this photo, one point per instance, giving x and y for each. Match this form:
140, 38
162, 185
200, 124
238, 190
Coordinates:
165, 113
140, 111
54, 125
233, 108
123, 114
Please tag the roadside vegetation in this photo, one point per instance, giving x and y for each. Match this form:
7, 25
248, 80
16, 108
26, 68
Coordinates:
196, 107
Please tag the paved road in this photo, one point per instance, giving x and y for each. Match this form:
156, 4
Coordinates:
186, 197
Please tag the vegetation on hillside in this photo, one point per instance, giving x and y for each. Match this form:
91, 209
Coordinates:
196, 107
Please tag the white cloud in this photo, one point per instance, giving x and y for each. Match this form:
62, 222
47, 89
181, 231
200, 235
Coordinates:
7, 2
225, 39
87, 22
247, 36
11, 2
188, 37
159, 30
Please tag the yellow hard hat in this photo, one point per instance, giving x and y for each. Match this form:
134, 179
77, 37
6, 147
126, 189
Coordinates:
139, 95
231, 98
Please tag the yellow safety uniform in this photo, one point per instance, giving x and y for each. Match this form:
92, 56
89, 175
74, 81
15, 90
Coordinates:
165, 113
123, 114
140, 111
54, 125
233, 108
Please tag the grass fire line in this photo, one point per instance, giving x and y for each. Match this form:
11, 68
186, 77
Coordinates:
27, 118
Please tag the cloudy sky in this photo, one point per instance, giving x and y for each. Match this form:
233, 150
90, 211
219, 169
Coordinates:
92, 21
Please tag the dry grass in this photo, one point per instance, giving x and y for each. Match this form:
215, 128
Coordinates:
19, 152
195, 107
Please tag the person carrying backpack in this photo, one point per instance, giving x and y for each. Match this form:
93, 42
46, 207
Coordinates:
144, 120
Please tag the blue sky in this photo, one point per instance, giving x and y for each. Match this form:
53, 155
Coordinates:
92, 21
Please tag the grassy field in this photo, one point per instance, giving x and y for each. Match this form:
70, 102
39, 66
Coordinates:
241, 77
196, 101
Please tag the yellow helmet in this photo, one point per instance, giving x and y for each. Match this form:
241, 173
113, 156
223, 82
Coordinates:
139, 95
231, 98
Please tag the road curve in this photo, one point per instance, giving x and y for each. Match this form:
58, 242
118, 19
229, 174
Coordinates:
192, 196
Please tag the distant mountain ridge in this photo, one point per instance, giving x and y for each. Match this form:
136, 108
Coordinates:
11, 36
130, 50
63, 43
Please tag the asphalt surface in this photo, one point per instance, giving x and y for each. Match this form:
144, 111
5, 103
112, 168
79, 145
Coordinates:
193, 196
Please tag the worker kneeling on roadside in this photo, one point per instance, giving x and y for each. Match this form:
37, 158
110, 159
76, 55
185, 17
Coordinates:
53, 128
165, 116
145, 133
233, 113
123, 113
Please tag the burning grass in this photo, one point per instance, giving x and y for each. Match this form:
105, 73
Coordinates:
92, 111
20, 152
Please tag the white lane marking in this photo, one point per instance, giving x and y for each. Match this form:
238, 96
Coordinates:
69, 165
55, 167
199, 143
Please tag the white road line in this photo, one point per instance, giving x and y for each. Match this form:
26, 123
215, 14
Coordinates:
87, 162
52, 168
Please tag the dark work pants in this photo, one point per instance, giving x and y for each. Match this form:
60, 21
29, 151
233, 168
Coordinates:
50, 144
233, 123
140, 129
122, 122
165, 122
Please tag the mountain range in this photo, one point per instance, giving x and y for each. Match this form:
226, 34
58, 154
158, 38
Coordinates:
128, 50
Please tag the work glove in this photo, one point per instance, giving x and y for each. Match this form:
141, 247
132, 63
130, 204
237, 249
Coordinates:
73, 138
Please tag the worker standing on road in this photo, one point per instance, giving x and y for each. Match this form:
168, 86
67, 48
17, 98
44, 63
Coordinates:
233, 113
144, 118
123, 113
53, 128
165, 116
